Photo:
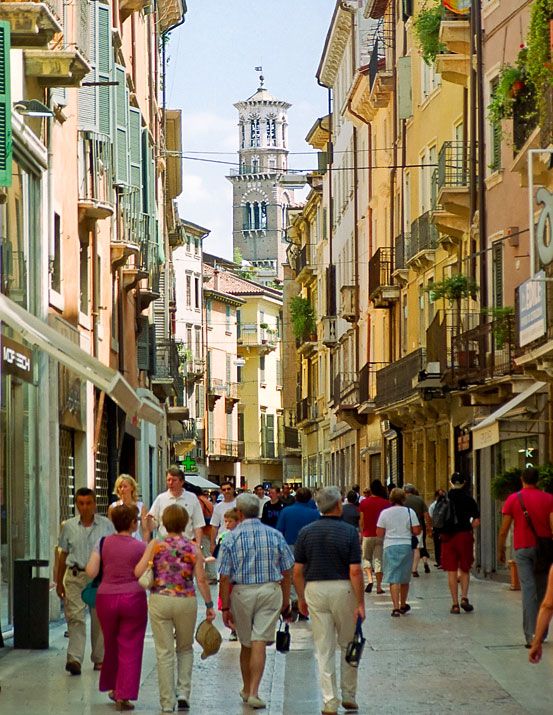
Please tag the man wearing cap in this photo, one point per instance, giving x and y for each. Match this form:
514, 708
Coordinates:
539, 507
329, 583
458, 542
77, 539
256, 559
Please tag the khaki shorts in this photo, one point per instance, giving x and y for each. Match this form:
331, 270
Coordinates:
372, 553
255, 610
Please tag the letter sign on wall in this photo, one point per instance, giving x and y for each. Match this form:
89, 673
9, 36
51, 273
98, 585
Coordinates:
17, 359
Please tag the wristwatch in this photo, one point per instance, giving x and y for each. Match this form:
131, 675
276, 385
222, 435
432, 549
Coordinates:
209, 604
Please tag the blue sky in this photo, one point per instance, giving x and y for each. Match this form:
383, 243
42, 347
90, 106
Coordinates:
211, 66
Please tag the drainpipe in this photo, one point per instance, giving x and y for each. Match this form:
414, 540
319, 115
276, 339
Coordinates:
50, 178
472, 154
482, 219
393, 172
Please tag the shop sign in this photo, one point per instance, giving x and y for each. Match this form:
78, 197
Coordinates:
463, 441
485, 437
17, 360
532, 311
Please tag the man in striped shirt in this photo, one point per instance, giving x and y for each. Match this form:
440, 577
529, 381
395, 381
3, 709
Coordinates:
257, 561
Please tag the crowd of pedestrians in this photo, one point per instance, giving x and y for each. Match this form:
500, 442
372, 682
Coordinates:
280, 555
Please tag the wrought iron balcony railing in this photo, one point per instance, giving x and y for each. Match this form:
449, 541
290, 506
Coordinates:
396, 381
453, 165
224, 449
485, 351
424, 236
167, 364
346, 389
381, 267
367, 380
400, 245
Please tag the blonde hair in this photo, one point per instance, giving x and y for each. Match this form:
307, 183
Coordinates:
126, 478
231, 514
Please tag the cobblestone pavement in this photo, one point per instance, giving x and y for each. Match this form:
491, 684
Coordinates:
426, 662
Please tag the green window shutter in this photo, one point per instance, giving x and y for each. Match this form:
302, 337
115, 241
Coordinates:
143, 343
121, 127
135, 150
88, 96
5, 107
105, 54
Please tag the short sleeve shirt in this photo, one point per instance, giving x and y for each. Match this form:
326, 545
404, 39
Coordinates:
371, 508
219, 511
397, 524
187, 500
174, 560
539, 506
327, 548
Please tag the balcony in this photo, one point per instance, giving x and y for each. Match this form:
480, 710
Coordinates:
231, 396
184, 436
453, 68
56, 68
346, 400
485, 352
251, 337
306, 412
329, 331
224, 450
400, 270
453, 178
382, 290
349, 304
307, 346
166, 379
397, 381
195, 370
304, 268
127, 7
419, 252
32, 24
216, 389
381, 78
367, 387
96, 196
455, 34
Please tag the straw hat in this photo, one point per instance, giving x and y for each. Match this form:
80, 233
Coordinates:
209, 638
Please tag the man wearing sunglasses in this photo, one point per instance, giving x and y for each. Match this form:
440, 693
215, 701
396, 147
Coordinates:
217, 519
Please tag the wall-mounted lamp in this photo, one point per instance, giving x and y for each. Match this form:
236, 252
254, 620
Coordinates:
32, 108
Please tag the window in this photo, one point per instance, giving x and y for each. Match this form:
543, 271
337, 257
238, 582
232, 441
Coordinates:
239, 373
189, 338
196, 292
255, 165
271, 132
237, 324
198, 342
227, 318
188, 243
242, 135
56, 264
497, 268
254, 132
255, 216
188, 291
197, 246
229, 427
272, 163
208, 311
262, 371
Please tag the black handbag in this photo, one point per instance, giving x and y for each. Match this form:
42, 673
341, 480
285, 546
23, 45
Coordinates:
414, 539
283, 638
355, 646
544, 544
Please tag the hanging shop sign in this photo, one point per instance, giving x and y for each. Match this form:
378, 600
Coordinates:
532, 310
17, 360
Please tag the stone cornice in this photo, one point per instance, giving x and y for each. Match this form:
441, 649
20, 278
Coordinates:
335, 45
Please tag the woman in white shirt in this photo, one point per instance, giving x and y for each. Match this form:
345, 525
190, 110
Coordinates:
126, 489
397, 525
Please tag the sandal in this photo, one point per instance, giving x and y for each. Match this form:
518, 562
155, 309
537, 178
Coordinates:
466, 606
403, 609
396, 613
455, 608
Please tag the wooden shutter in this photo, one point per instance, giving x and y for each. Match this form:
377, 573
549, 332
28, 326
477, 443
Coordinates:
160, 314
497, 269
121, 126
104, 69
88, 96
153, 349
143, 343
5, 107
270, 435
135, 152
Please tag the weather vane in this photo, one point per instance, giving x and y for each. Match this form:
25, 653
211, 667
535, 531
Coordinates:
261, 78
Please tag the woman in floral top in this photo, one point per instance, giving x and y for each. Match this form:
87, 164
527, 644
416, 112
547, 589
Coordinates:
175, 561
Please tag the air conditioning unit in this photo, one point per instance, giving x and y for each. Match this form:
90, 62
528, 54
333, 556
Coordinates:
329, 331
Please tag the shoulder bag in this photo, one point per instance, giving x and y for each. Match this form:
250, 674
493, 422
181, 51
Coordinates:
414, 539
544, 544
88, 594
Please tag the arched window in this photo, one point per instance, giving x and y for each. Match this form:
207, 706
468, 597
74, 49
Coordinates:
255, 164
254, 132
254, 216
242, 135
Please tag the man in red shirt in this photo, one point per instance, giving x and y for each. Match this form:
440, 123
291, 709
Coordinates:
539, 506
369, 511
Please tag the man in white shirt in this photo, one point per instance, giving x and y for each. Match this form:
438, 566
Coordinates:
259, 492
176, 494
217, 519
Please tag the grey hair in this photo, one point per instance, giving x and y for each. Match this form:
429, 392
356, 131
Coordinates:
409, 488
248, 504
327, 498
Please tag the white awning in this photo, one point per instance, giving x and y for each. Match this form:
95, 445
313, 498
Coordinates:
486, 433
198, 481
38, 333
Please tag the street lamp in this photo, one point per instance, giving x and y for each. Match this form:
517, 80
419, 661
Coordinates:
32, 108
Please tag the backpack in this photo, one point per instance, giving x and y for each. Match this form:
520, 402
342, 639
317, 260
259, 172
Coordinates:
207, 508
443, 516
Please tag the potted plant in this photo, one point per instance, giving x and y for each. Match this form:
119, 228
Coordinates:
303, 318
546, 478
502, 326
539, 67
506, 483
427, 30
452, 288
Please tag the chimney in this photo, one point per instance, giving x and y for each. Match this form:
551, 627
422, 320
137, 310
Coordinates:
216, 279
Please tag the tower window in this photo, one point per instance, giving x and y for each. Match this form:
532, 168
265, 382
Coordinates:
271, 132
255, 215
254, 132
242, 135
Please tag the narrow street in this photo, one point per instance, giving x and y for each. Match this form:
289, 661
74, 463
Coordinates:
426, 662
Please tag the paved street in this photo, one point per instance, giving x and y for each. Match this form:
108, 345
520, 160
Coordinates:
426, 662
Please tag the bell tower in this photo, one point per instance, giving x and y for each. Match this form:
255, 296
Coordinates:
260, 195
